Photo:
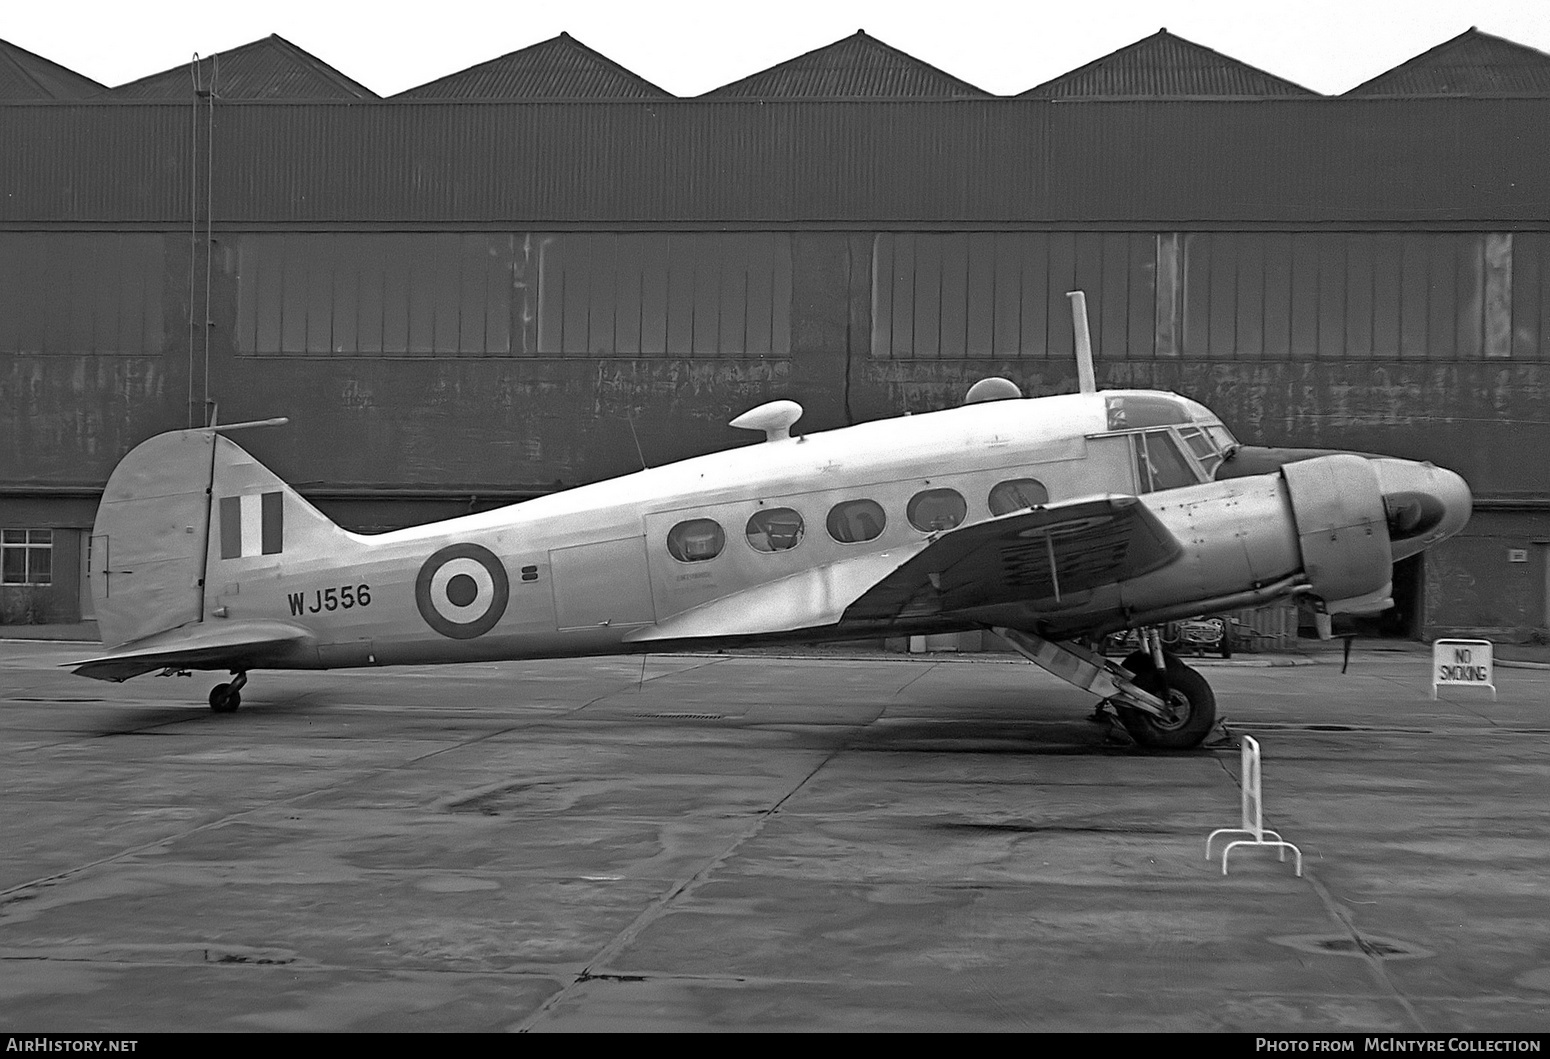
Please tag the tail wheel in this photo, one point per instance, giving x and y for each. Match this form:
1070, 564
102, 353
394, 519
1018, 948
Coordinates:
1191, 700
225, 699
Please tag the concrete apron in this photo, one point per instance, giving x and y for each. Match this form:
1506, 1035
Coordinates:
763, 843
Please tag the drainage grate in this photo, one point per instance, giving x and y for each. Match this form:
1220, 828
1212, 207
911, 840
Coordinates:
1369, 945
688, 716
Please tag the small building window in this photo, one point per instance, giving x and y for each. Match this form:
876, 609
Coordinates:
775, 529
26, 557
856, 521
936, 509
1019, 494
696, 541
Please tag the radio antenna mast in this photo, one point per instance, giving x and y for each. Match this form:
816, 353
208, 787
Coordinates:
1086, 380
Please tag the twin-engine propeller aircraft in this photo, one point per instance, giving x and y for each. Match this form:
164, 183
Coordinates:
1052, 520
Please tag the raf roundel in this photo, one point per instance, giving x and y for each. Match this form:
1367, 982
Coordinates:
462, 591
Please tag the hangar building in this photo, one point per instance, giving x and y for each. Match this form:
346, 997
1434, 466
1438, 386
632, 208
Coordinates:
488, 287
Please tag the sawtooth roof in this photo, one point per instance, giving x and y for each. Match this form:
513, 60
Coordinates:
856, 67
1471, 64
26, 76
269, 68
558, 68
1166, 65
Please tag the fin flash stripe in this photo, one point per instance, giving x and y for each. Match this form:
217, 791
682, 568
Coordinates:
252, 524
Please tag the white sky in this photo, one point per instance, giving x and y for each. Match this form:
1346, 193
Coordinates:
692, 46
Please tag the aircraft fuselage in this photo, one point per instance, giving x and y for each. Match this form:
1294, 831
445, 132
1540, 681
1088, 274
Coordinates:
598, 569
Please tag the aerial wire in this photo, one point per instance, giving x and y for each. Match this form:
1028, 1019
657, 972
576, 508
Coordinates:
630, 419
193, 222
215, 68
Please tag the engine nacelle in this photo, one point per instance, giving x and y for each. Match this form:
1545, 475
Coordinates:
1342, 526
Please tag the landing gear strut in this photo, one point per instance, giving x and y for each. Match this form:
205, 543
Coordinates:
1190, 710
1166, 707
224, 698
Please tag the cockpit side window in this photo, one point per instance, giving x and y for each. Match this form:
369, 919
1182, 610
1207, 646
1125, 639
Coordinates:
1160, 464
1203, 447
1225, 442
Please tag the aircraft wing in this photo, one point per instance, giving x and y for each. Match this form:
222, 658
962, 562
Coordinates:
1039, 555
238, 645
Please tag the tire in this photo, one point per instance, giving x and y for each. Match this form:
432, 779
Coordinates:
1194, 705
223, 699
1139, 662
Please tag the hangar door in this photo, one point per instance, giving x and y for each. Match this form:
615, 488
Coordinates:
601, 584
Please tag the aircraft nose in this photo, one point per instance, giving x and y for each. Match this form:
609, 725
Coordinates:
1425, 504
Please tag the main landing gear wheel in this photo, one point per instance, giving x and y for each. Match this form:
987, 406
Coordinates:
1139, 662
1191, 702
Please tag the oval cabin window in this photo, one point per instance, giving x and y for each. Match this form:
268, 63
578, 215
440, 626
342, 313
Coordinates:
936, 509
775, 529
696, 541
1019, 494
855, 521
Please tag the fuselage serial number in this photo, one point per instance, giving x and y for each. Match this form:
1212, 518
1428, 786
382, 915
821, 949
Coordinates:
342, 598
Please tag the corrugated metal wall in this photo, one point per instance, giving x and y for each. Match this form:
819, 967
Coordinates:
1001, 161
1355, 339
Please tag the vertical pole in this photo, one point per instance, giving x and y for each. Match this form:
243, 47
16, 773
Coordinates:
1251, 786
1087, 381
1246, 759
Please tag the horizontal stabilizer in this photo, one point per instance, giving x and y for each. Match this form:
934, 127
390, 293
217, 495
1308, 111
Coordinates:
238, 645
1034, 556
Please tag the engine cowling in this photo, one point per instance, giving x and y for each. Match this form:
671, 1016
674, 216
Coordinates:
1342, 526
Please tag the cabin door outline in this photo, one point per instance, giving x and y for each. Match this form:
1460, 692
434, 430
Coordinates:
601, 584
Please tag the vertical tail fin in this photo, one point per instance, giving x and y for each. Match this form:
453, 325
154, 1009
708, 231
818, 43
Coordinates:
186, 517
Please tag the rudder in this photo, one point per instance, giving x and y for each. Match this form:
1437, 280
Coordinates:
148, 541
